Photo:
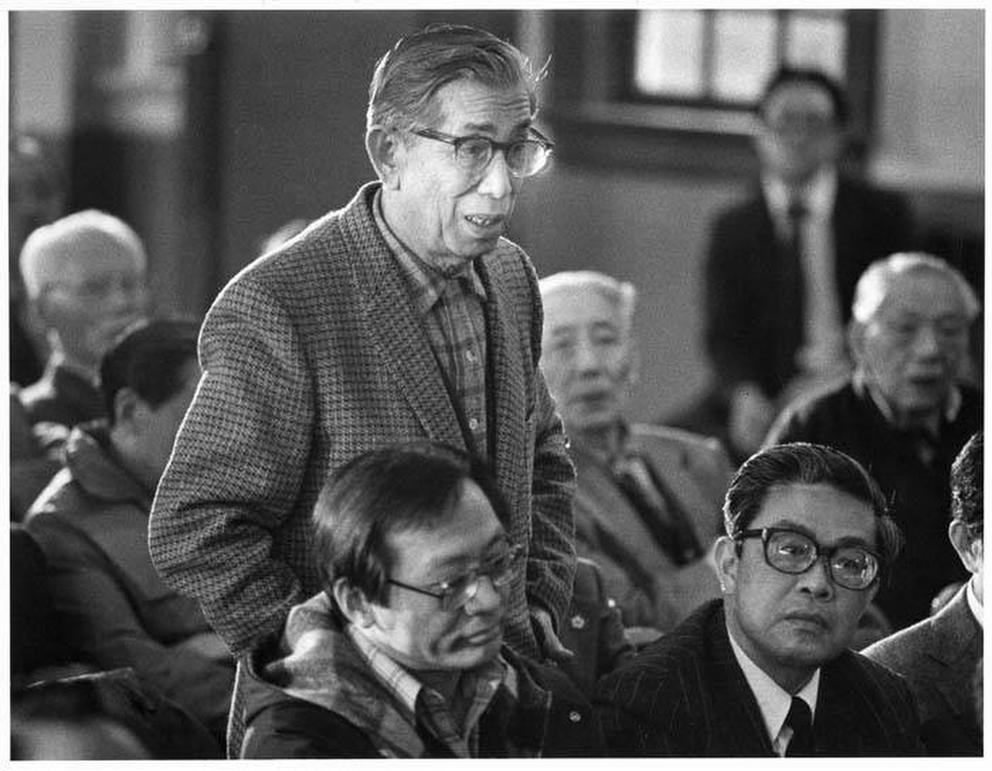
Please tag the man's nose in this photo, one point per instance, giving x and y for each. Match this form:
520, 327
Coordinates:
487, 599
496, 181
816, 580
927, 342
586, 359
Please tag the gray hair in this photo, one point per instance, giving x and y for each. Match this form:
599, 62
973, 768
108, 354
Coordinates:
409, 75
621, 293
45, 249
875, 282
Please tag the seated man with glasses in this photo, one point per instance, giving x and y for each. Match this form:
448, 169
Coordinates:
766, 670
905, 413
401, 653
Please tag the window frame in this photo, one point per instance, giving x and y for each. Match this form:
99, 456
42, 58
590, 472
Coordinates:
598, 123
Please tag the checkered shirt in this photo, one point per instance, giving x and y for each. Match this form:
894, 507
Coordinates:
451, 304
426, 706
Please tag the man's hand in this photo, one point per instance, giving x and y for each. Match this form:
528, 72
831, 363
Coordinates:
551, 647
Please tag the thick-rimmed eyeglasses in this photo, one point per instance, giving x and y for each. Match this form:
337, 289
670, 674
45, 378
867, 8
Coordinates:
788, 551
524, 157
455, 593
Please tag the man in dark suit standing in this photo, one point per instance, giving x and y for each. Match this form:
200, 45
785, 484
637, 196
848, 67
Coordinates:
941, 656
766, 670
782, 264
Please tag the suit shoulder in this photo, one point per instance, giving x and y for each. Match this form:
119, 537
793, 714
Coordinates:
802, 418
698, 445
898, 650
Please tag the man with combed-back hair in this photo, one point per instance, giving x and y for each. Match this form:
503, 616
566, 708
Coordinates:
904, 413
404, 315
767, 670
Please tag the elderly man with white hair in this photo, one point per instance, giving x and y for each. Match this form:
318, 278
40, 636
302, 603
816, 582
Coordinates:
85, 276
647, 504
904, 412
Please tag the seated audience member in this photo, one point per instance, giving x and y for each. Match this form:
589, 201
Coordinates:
647, 503
940, 656
593, 630
36, 190
903, 413
35, 455
92, 525
767, 670
401, 654
781, 265
85, 278
103, 716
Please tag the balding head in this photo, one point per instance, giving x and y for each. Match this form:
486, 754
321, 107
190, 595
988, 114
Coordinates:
909, 333
86, 277
589, 358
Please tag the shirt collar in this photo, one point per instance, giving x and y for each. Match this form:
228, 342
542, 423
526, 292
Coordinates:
404, 686
818, 194
973, 603
429, 282
773, 700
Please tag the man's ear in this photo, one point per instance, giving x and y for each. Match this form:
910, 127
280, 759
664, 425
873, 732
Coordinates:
964, 545
856, 340
726, 560
633, 362
128, 407
383, 147
352, 602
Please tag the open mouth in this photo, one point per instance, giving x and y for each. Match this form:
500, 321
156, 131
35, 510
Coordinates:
485, 222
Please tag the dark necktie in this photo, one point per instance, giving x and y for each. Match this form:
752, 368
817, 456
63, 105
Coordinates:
657, 509
796, 214
800, 720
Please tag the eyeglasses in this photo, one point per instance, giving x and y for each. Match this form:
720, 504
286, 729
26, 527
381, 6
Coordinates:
98, 290
852, 567
455, 593
524, 157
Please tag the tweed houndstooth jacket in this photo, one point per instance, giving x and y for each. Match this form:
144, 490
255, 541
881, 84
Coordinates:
311, 355
685, 695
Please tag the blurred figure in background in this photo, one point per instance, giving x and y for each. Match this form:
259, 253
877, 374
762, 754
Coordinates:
92, 525
36, 197
647, 504
781, 266
903, 413
941, 656
85, 277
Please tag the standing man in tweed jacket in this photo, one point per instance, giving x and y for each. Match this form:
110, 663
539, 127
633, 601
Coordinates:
404, 315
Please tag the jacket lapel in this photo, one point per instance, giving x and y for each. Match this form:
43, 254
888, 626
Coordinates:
397, 328
506, 384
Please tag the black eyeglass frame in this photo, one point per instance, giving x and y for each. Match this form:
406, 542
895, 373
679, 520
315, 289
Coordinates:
766, 533
445, 592
450, 139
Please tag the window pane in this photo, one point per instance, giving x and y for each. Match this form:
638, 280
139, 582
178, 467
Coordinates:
817, 41
744, 43
669, 53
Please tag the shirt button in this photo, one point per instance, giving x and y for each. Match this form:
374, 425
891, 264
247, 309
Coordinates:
578, 621
574, 716
470, 355
473, 424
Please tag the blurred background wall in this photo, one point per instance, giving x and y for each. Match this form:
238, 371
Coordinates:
207, 130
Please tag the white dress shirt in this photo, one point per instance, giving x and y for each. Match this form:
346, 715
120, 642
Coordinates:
773, 700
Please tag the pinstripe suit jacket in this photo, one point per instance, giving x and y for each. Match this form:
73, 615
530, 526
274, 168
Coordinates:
311, 355
685, 695
938, 657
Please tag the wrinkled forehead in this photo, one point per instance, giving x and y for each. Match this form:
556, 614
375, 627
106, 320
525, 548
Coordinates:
93, 252
821, 510
922, 291
582, 304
